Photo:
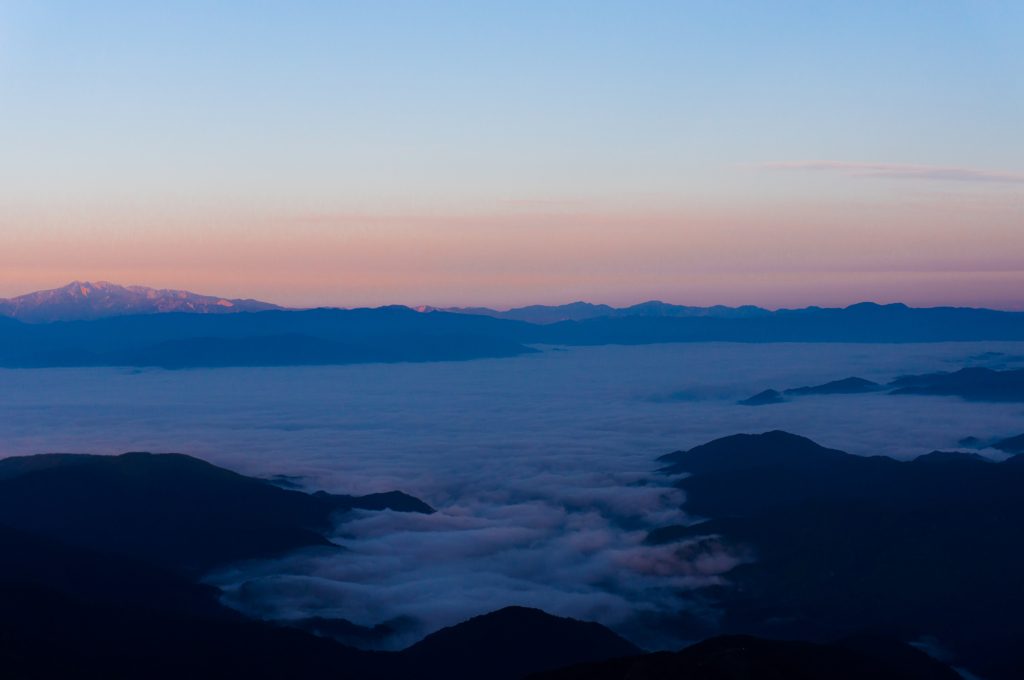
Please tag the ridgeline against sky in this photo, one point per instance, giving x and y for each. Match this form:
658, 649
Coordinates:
350, 155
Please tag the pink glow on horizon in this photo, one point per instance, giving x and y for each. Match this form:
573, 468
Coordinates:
923, 249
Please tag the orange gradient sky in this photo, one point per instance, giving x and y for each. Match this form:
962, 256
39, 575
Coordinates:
454, 155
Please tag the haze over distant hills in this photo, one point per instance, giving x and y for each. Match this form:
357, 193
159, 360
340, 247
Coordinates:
83, 300
579, 311
101, 324
399, 334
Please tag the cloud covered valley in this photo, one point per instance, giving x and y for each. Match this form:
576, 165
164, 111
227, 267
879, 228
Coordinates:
542, 467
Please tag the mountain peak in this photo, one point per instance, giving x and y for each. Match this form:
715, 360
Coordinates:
83, 300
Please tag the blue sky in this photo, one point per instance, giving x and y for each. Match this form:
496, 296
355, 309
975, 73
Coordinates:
136, 135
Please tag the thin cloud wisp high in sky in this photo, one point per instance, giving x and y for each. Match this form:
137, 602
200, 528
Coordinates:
900, 171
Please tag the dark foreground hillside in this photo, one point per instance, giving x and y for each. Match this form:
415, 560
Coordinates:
44, 634
177, 512
743, 657
841, 545
100, 581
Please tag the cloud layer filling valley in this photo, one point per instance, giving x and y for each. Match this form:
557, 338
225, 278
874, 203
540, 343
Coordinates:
541, 467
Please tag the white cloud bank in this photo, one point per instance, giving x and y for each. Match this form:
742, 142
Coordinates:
541, 466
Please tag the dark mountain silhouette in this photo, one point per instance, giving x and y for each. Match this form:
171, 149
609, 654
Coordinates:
1011, 444
389, 500
972, 384
763, 398
823, 568
349, 633
744, 657
19, 465
461, 651
104, 578
174, 511
746, 474
1010, 670
47, 634
579, 311
535, 314
845, 386
865, 322
310, 337
826, 568
84, 300
400, 334
945, 456
749, 451
845, 543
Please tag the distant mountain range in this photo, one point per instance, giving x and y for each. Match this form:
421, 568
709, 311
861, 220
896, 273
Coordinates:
972, 384
579, 311
78, 301
105, 325
399, 334
84, 300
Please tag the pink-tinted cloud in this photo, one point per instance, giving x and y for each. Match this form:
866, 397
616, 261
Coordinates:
900, 171
529, 202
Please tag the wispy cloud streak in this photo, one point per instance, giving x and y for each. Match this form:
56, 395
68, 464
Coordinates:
899, 171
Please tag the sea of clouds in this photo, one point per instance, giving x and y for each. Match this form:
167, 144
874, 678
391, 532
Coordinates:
542, 467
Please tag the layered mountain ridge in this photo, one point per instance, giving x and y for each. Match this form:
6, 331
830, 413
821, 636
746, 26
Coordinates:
835, 544
125, 598
84, 300
580, 311
77, 326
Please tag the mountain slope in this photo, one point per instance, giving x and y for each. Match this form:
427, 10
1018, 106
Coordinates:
84, 300
831, 543
103, 578
46, 634
972, 384
280, 337
578, 311
845, 386
529, 640
744, 657
177, 512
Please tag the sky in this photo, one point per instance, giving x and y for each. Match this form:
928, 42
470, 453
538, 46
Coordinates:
782, 154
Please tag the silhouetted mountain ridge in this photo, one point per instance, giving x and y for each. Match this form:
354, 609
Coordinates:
972, 384
400, 334
579, 311
1011, 444
832, 543
103, 578
84, 300
845, 386
462, 650
46, 634
744, 657
174, 511
762, 399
